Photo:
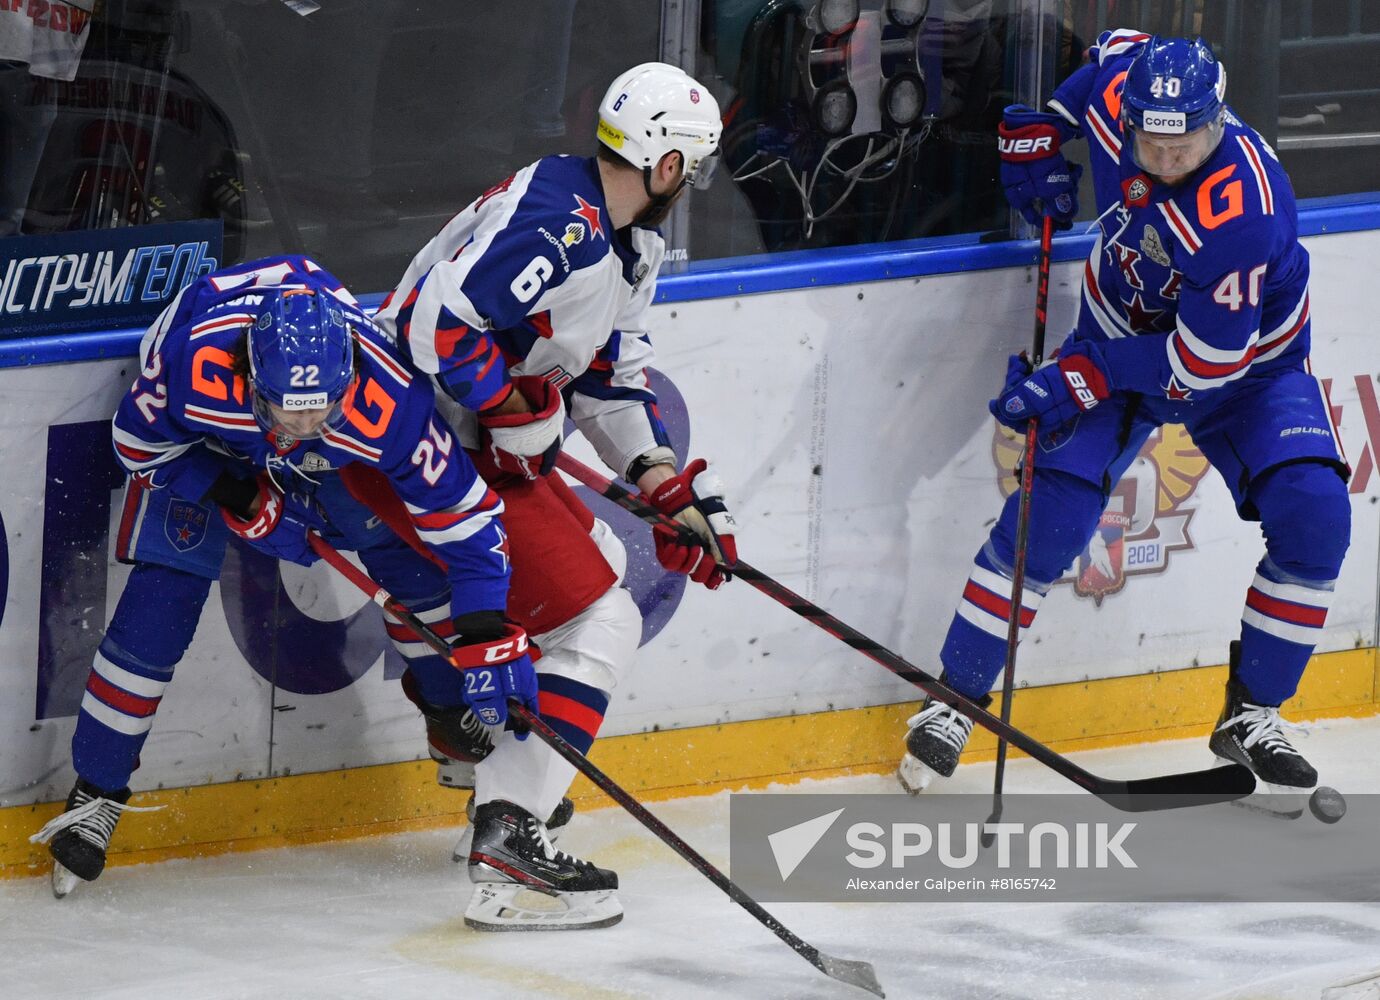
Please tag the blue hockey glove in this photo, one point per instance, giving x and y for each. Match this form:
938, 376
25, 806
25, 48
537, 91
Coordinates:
492, 654
280, 524
1056, 392
1037, 178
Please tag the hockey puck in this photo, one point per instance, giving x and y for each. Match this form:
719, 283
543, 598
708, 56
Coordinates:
1327, 804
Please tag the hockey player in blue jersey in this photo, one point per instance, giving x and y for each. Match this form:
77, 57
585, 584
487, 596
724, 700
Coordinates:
1194, 311
261, 387
529, 304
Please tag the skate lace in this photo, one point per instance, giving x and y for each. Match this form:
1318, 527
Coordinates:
1265, 726
92, 819
537, 832
943, 722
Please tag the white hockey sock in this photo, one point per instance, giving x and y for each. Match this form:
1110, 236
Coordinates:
526, 773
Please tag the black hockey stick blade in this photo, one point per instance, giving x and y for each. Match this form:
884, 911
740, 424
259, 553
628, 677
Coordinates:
1225, 783
859, 974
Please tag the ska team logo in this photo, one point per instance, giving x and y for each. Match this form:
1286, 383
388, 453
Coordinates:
185, 525
1146, 518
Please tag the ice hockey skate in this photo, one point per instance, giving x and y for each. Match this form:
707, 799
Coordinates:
78, 837
555, 825
1255, 735
937, 736
522, 883
456, 739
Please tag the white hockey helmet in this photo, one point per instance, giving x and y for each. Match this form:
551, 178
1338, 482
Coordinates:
655, 108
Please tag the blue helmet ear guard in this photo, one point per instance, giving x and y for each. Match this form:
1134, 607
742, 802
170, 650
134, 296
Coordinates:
1173, 87
301, 354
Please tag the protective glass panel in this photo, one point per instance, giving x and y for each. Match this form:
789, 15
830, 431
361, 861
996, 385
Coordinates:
352, 130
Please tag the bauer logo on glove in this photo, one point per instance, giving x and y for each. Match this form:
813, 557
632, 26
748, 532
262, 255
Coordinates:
1037, 178
1055, 393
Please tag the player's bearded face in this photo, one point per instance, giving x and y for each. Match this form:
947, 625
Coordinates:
1172, 157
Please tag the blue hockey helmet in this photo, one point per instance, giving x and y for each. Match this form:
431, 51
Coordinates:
1173, 95
302, 361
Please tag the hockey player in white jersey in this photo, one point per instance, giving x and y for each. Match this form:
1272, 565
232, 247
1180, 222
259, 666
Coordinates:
531, 303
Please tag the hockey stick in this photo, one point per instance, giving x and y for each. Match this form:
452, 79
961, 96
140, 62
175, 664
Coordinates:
859, 974
1169, 791
1013, 617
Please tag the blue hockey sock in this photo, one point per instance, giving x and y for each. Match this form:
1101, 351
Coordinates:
974, 650
1280, 625
574, 710
1063, 514
152, 626
438, 681
422, 588
1306, 519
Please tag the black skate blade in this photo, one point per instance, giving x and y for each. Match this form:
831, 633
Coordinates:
859, 974
1178, 791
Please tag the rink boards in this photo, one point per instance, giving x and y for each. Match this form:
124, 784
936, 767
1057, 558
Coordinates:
850, 424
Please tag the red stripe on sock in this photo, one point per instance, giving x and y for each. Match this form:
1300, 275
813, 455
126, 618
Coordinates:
994, 604
1298, 614
582, 717
119, 699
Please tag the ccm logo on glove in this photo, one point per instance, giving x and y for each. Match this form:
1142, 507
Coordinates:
502, 652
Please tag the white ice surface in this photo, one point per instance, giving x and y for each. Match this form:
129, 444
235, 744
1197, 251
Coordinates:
381, 918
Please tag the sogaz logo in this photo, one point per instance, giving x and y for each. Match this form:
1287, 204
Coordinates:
1174, 122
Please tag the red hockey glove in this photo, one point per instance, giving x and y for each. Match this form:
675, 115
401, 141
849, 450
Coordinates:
527, 444
695, 499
